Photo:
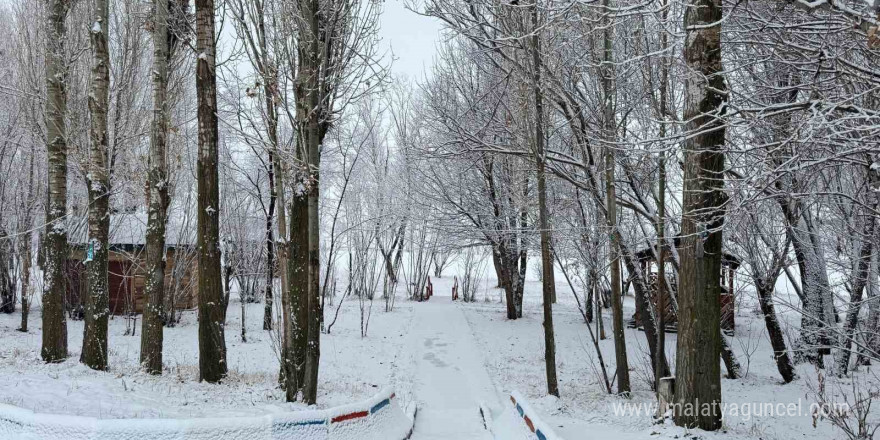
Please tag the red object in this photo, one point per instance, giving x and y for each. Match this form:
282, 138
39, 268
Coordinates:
529, 423
344, 417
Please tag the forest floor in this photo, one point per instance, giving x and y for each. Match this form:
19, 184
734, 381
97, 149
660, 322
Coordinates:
445, 358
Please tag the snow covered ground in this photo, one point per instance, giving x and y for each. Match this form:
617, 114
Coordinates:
448, 359
514, 353
353, 368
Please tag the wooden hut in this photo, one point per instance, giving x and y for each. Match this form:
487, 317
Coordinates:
127, 269
729, 264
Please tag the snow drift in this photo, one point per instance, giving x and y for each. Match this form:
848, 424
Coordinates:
378, 418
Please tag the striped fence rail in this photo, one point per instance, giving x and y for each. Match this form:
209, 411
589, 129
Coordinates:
377, 418
531, 418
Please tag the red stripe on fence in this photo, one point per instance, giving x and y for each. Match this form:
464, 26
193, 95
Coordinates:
391, 396
344, 417
529, 423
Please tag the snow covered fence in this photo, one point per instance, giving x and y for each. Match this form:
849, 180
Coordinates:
530, 417
378, 418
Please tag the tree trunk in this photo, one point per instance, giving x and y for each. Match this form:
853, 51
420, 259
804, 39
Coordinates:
859, 279
285, 250
813, 343
54, 348
661, 268
498, 271
698, 382
272, 126
871, 349
733, 367
7, 276
270, 248
310, 113
26, 250
774, 331
154, 289
313, 353
548, 280
97, 298
243, 324
297, 312
504, 280
661, 213
212, 340
26, 274
588, 305
623, 384
509, 267
642, 295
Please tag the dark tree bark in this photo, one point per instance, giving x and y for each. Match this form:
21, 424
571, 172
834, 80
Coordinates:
860, 276
315, 84
154, 290
734, 369
26, 248
548, 279
270, 244
774, 331
54, 348
815, 293
623, 384
297, 312
270, 90
212, 340
508, 252
25, 279
97, 298
871, 348
642, 295
661, 212
698, 382
7, 275
392, 255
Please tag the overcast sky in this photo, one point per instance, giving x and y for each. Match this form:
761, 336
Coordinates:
411, 37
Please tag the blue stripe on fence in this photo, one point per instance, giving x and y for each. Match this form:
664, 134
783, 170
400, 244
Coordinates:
522, 414
300, 423
379, 406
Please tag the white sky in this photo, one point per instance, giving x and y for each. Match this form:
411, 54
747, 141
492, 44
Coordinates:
410, 37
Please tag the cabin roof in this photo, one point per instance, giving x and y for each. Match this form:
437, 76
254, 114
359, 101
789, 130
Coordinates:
130, 230
647, 254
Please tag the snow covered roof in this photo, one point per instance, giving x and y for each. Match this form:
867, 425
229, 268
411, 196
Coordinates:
131, 229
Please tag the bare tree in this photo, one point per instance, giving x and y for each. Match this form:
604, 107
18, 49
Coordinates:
158, 198
698, 376
97, 301
212, 341
548, 280
54, 347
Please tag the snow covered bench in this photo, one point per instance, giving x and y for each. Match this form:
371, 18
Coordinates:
378, 418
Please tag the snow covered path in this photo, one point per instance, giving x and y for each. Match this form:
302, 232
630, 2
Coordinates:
451, 380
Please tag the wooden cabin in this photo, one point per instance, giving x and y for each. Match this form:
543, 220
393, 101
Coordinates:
126, 267
729, 264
